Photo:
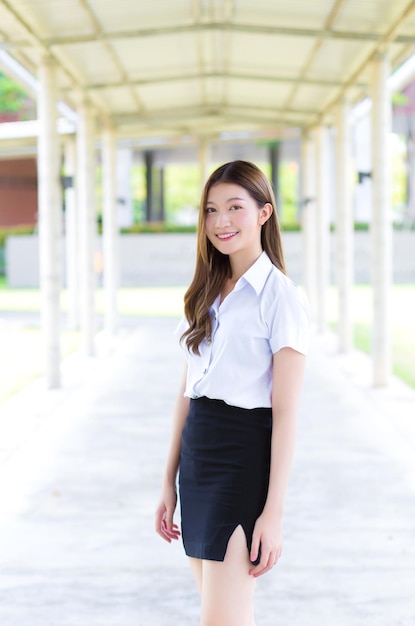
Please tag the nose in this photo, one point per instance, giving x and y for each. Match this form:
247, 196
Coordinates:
222, 219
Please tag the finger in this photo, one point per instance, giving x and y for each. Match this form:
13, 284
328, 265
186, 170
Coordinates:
173, 533
161, 526
169, 533
266, 563
254, 548
169, 519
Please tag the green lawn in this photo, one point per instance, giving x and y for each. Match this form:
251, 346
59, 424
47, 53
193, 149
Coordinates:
23, 345
24, 362
402, 323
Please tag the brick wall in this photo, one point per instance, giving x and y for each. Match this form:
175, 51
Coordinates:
18, 192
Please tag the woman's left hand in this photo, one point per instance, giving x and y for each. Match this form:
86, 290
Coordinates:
267, 534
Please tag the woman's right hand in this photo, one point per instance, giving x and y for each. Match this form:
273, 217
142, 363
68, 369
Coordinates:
164, 515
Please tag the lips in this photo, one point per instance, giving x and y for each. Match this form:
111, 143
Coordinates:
226, 236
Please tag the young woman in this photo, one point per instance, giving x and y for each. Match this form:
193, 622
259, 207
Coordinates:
245, 334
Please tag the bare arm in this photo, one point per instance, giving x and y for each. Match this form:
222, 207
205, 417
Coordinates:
286, 391
165, 511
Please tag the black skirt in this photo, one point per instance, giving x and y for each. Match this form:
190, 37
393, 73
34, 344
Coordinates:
224, 474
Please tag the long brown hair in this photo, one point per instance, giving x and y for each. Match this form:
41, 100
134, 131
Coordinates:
213, 267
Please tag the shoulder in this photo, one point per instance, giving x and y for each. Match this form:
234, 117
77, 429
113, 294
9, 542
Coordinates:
279, 286
281, 297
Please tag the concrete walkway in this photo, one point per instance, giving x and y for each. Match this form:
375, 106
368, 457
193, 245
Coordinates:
79, 481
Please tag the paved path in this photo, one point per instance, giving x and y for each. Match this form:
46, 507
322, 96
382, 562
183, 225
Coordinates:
79, 479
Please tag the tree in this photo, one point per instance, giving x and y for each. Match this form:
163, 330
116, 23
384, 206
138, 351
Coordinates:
12, 95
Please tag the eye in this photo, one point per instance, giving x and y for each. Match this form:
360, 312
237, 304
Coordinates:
210, 209
235, 207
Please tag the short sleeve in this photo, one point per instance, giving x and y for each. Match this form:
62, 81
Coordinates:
290, 322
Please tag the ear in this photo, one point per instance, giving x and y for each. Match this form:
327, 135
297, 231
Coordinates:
265, 213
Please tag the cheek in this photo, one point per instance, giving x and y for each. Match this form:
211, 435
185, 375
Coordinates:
208, 224
249, 220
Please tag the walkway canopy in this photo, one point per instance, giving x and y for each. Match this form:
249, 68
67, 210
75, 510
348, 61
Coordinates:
206, 70
208, 66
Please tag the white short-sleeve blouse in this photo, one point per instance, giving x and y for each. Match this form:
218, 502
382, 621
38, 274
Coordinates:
265, 312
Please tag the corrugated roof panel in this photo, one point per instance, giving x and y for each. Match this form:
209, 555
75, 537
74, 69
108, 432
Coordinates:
92, 60
159, 55
127, 14
310, 96
409, 27
294, 13
336, 58
179, 93
371, 16
119, 99
52, 17
264, 94
262, 53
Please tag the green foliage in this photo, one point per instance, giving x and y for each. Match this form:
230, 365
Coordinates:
6, 232
138, 183
399, 172
15, 230
399, 99
289, 200
12, 95
157, 227
182, 188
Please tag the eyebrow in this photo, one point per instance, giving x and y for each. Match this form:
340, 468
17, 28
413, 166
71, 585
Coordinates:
228, 200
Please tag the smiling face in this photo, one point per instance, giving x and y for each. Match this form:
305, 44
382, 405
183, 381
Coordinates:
233, 220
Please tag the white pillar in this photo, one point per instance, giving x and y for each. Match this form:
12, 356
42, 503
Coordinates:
322, 225
309, 232
71, 234
204, 158
110, 229
87, 224
344, 228
49, 219
381, 222
124, 163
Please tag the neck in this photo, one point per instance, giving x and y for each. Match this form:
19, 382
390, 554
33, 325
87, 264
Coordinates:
241, 264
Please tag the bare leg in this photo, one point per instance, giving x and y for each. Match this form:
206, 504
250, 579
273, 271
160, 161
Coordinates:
227, 590
196, 565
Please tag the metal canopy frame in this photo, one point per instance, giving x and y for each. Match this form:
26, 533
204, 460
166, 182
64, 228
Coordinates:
209, 66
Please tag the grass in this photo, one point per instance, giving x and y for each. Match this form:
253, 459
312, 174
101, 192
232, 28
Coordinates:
402, 325
23, 345
143, 301
24, 350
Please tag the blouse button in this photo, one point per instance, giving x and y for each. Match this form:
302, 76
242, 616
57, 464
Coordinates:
205, 371
208, 342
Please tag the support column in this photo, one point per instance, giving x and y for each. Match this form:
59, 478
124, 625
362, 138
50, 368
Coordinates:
381, 222
308, 219
344, 228
49, 220
322, 226
71, 233
110, 229
204, 158
87, 225
124, 163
